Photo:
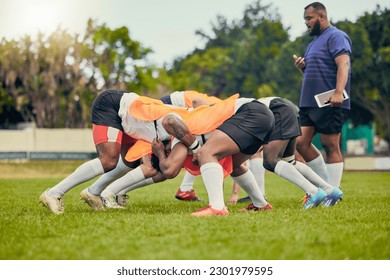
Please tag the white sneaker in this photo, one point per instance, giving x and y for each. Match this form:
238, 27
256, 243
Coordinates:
110, 202
122, 199
94, 201
54, 204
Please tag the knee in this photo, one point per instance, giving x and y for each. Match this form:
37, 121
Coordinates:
109, 163
239, 170
201, 154
269, 164
330, 147
302, 144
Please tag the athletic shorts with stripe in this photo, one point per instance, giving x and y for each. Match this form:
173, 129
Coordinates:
106, 123
250, 127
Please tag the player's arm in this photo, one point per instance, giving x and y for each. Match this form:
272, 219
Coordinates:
171, 164
176, 127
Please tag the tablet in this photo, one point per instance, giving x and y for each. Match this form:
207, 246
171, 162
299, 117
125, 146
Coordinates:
322, 98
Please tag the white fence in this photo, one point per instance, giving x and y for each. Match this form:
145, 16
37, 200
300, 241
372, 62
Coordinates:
33, 143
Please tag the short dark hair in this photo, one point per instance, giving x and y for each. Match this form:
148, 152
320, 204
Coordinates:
316, 5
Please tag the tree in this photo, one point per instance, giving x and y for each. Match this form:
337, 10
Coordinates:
237, 54
53, 80
115, 59
37, 77
371, 67
209, 71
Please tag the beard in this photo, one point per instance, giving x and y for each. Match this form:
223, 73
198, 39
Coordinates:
316, 29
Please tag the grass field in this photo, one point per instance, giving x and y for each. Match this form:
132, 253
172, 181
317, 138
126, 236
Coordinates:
156, 226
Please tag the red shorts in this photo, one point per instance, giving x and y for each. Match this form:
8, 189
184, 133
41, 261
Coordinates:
103, 134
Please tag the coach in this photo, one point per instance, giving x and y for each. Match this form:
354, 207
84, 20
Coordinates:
325, 67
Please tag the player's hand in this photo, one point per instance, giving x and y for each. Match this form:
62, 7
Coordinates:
158, 147
299, 62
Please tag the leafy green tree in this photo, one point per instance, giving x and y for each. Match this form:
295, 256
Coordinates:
287, 80
115, 59
236, 55
373, 91
207, 71
11, 73
53, 80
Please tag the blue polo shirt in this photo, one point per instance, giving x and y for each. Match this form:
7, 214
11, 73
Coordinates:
320, 72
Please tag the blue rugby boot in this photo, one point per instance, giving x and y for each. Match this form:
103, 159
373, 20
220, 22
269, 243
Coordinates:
333, 197
311, 201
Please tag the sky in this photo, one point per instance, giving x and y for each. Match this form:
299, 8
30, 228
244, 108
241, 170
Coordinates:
166, 26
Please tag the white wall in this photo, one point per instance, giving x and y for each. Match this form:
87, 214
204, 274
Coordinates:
47, 140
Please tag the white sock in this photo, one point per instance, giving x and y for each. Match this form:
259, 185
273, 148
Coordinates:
143, 183
258, 170
83, 173
335, 172
188, 182
212, 175
132, 177
289, 172
319, 167
248, 183
100, 184
313, 177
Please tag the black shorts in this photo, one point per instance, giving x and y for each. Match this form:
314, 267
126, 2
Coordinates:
286, 119
250, 127
327, 120
105, 109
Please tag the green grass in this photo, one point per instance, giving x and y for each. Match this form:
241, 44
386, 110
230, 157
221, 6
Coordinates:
157, 226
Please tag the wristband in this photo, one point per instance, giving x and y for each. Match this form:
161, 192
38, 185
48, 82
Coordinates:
195, 146
194, 151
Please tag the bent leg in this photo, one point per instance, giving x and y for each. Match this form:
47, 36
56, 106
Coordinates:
83, 173
148, 181
121, 168
304, 169
218, 146
134, 176
272, 153
108, 145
